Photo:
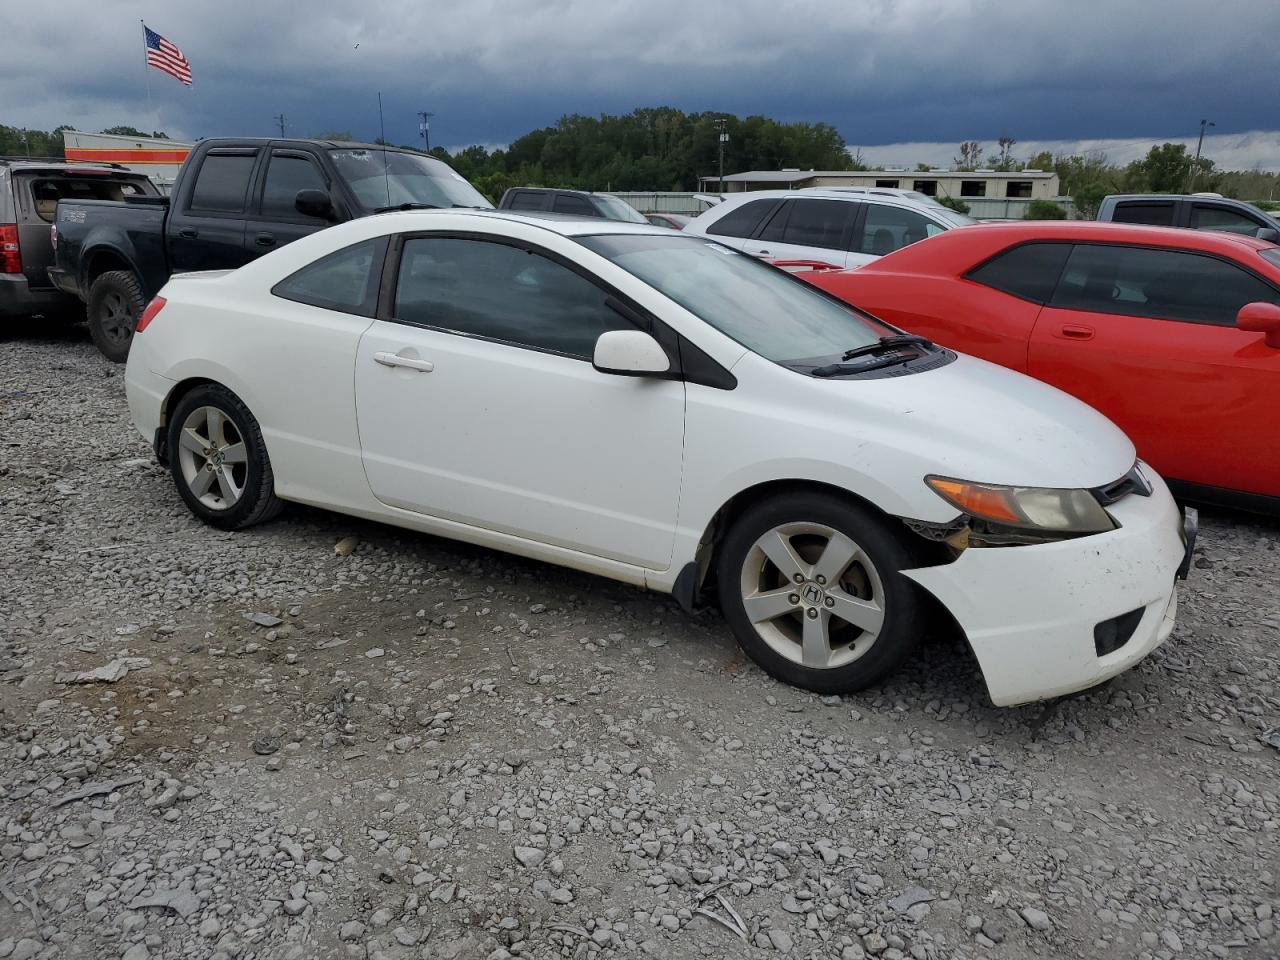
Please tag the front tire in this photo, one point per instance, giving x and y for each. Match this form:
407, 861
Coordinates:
812, 588
219, 461
116, 301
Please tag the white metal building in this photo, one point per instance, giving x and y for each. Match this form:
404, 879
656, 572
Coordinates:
963, 185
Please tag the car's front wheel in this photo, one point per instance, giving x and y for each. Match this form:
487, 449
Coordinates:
812, 587
219, 461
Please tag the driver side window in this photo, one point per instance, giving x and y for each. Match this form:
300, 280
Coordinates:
500, 292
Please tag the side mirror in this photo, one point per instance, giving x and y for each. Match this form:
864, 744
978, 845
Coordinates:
630, 353
1260, 318
314, 203
1269, 234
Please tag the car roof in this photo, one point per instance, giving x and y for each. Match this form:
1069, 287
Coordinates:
565, 224
1018, 230
955, 251
64, 166
824, 193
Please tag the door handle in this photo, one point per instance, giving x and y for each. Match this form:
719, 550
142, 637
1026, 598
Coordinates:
265, 240
394, 360
1071, 331
188, 233
763, 253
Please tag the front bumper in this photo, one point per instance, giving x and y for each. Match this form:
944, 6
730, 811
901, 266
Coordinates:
1030, 612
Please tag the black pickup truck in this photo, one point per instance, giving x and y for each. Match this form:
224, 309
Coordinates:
233, 200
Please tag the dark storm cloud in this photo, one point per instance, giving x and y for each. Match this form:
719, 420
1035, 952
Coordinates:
882, 71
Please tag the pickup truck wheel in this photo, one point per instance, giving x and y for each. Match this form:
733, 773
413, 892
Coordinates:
116, 301
219, 461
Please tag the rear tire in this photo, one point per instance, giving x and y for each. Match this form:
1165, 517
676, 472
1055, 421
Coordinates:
116, 301
811, 585
219, 461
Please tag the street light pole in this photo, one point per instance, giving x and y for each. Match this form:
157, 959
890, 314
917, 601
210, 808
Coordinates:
424, 127
1195, 167
723, 139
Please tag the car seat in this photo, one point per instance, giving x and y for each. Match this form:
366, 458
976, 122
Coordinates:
882, 242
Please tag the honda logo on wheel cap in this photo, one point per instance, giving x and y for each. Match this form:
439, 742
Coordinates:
812, 594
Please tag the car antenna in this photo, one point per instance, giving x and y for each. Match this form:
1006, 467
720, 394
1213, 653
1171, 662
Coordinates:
382, 136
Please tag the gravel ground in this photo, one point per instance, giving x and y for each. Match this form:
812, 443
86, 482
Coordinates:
424, 749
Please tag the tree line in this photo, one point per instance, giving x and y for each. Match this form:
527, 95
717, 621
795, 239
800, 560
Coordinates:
662, 148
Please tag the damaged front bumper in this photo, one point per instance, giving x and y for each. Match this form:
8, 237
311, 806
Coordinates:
1049, 619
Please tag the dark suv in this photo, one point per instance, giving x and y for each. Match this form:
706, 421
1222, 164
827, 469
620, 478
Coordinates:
30, 188
575, 203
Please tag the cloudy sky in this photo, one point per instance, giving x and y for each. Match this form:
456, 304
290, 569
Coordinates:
882, 71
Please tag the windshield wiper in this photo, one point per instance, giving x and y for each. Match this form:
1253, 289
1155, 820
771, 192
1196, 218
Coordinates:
848, 369
887, 343
407, 206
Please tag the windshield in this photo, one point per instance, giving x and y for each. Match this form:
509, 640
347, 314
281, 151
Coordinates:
620, 209
388, 178
764, 309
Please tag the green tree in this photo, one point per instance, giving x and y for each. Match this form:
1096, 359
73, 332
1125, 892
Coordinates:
1041, 161
135, 132
1041, 209
1088, 197
344, 135
1168, 169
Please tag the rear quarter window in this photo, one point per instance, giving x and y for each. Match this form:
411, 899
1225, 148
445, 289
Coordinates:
743, 221
1152, 213
1029, 271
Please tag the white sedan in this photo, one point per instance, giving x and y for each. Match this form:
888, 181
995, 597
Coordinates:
666, 411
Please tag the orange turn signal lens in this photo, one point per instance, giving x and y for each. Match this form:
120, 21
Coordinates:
978, 500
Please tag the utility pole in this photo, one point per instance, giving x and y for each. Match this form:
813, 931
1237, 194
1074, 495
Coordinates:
723, 138
1195, 167
279, 119
424, 128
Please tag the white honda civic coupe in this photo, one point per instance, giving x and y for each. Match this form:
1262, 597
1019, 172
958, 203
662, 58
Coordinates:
666, 411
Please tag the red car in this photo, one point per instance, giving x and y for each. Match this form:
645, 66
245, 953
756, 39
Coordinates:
1173, 334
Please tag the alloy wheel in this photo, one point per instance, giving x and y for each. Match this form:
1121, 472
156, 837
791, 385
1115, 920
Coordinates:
213, 458
813, 595
118, 320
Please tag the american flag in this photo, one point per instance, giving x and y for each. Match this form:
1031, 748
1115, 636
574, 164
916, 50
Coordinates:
163, 55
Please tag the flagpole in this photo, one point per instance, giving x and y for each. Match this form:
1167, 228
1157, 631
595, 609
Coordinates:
146, 72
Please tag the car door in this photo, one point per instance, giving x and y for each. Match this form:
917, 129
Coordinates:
206, 225
807, 229
275, 220
885, 228
1148, 336
477, 403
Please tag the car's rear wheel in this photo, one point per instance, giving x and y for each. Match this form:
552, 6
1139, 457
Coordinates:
116, 301
219, 461
812, 588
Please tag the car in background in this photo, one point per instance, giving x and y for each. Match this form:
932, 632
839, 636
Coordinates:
681, 415
1198, 211
672, 221
232, 201
836, 227
30, 189
1173, 334
573, 203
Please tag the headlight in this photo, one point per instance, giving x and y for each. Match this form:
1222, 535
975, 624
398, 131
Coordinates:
1028, 508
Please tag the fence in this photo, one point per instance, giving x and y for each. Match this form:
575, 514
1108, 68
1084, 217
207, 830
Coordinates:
662, 201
